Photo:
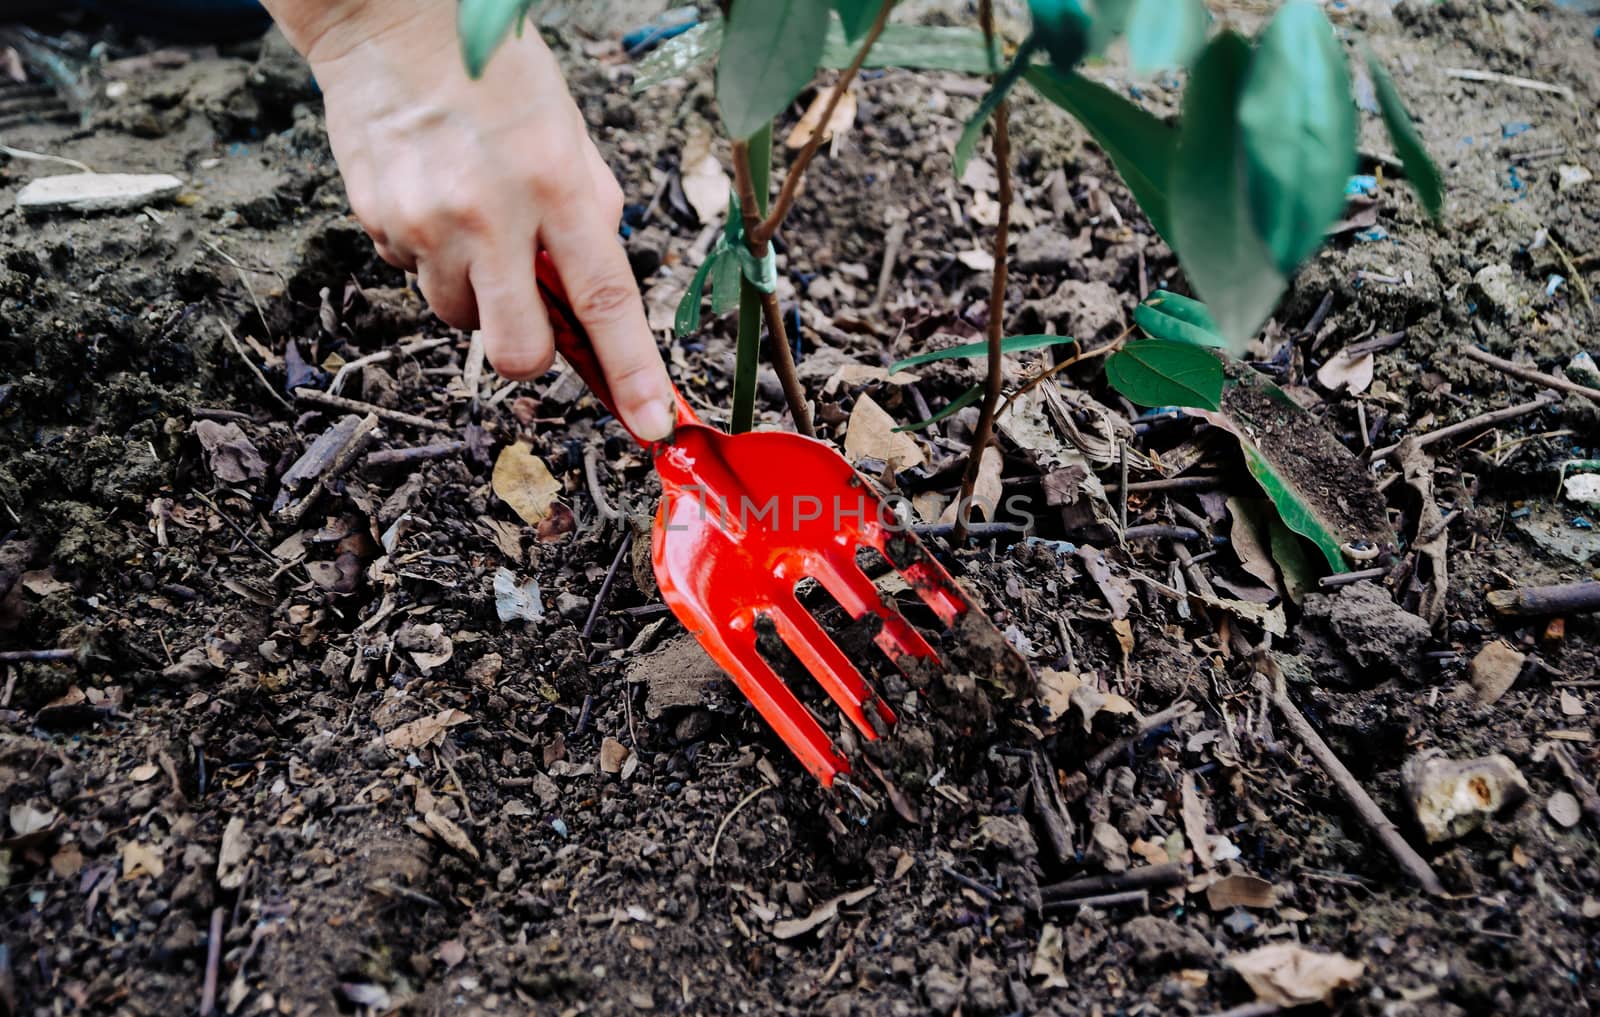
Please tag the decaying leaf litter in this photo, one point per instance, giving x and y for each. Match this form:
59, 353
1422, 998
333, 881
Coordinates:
325, 740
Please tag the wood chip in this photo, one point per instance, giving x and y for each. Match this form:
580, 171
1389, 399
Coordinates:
97, 192
451, 834
1494, 670
1241, 891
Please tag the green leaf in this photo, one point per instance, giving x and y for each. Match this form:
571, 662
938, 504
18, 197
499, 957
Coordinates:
1010, 344
857, 16
770, 50
1165, 34
961, 402
687, 318
725, 283
1420, 168
482, 26
1140, 146
1160, 372
1212, 231
917, 47
1297, 124
679, 55
973, 129
1063, 28
1171, 316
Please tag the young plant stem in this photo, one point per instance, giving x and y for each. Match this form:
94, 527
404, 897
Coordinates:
754, 304
997, 298
797, 169
753, 171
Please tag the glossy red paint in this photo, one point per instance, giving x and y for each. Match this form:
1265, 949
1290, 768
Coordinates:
742, 519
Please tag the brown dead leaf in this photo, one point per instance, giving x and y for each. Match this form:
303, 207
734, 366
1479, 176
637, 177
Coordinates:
612, 755
143, 772
705, 185
843, 118
452, 952
1494, 670
1194, 822
789, 928
1346, 373
1251, 545
451, 834
872, 435
506, 536
1055, 691
141, 860
1287, 974
424, 730
1124, 630
1241, 891
232, 457
1155, 854
427, 644
43, 583
523, 481
67, 862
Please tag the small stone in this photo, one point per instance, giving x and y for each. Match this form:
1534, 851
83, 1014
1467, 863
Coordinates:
1572, 176
1109, 848
1496, 284
1161, 944
97, 192
612, 755
942, 990
1451, 798
1494, 670
1564, 809
1046, 250
1010, 836
570, 605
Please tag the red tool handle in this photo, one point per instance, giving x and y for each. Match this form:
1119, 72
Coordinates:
572, 342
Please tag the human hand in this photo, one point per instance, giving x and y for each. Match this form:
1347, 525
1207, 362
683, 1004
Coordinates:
464, 181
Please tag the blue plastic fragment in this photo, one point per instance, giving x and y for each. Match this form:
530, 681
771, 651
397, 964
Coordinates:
1582, 523
1373, 235
1521, 513
1514, 181
670, 25
1361, 183
1515, 128
1552, 284
559, 825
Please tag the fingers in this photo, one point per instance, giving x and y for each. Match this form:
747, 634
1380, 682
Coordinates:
448, 290
511, 315
600, 286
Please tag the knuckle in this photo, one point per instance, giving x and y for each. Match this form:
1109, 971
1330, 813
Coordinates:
522, 362
604, 301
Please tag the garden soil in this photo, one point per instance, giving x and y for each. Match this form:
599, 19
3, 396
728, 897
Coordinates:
314, 767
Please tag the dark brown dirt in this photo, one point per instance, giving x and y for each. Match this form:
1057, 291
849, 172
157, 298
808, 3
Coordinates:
391, 799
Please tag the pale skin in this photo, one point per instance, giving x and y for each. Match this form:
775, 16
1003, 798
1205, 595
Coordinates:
463, 182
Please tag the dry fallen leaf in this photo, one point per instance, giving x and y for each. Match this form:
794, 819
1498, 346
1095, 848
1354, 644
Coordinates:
451, 834
67, 862
1194, 822
1494, 670
1252, 546
872, 435
26, 819
1049, 958
1055, 691
789, 928
1287, 974
523, 481
844, 116
229, 452
1351, 374
452, 952
143, 772
1241, 891
424, 730
977, 259
141, 860
1150, 851
231, 856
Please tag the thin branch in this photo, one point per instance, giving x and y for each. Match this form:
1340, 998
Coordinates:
1470, 424
777, 335
997, 295
791, 180
1534, 375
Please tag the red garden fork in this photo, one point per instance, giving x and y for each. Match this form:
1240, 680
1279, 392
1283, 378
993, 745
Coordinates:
743, 519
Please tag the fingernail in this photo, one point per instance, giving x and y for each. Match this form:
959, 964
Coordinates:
654, 422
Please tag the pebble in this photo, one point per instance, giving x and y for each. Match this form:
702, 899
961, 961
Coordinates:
97, 192
1451, 798
1564, 809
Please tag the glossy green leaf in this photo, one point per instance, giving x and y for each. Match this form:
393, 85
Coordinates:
679, 55
687, 319
725, 284
917, 47
482, 25
972, 130
1010, 344
1297, 125
1165, 34
1167, 315
1213, 233
1297, 513
856, 16
1140, 146
770, 50
1420, 168
1160, 372
961, 402
1063, 28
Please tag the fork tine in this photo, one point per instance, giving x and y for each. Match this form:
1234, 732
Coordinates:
828, 664
860, 597
925, 576
775, 701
